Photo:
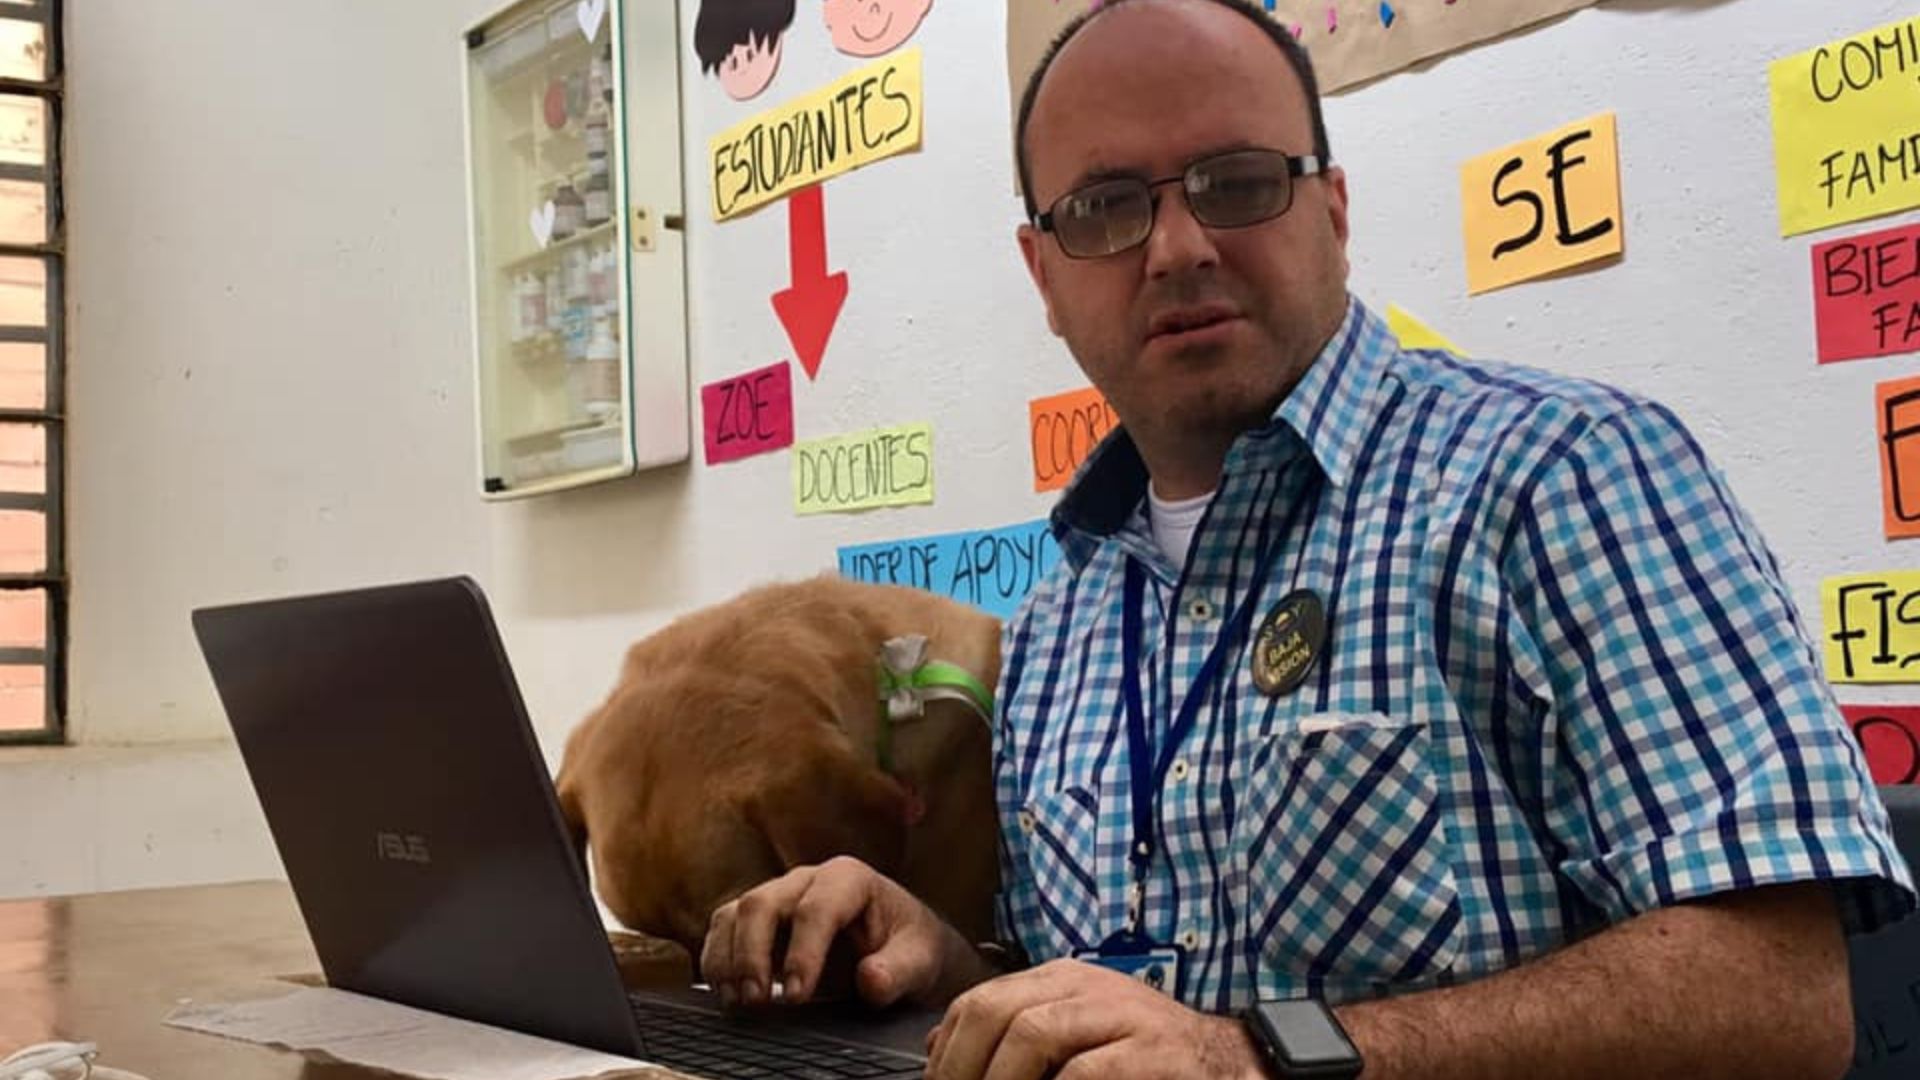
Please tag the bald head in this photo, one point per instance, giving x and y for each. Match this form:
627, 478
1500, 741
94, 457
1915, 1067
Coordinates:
1292, 56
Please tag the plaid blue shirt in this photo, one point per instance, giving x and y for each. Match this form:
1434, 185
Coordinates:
1563, 684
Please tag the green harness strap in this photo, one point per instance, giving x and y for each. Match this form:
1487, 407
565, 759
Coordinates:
908, 680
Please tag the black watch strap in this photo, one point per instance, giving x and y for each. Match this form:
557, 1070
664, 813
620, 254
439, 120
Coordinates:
1302, 1040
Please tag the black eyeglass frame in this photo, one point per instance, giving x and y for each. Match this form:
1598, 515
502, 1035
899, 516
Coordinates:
1298, 166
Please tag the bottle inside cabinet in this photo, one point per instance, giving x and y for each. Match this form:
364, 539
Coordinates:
548, 243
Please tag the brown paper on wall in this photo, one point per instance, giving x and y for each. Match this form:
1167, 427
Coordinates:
1359, 47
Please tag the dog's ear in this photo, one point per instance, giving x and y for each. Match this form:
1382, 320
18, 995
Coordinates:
836, 805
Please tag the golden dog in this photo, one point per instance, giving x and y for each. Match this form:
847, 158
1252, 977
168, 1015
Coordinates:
748, 738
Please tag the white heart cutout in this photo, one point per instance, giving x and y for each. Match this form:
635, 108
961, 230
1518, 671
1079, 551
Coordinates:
541, 222
591, 13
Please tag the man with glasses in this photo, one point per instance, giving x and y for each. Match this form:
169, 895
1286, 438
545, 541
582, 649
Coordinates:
1387, 710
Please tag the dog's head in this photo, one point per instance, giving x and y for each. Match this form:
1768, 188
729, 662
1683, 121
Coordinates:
690, 791
747, 738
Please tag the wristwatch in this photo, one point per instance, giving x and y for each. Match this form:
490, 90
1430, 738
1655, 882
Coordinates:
1302, 1040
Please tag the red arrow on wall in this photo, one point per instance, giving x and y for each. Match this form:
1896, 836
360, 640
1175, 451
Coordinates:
811, 305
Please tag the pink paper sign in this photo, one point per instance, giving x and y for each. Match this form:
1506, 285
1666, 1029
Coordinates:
1866, 294
748, 414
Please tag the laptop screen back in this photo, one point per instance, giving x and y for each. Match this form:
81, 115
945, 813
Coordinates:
405, 790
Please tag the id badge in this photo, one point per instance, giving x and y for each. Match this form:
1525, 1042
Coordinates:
1162, 967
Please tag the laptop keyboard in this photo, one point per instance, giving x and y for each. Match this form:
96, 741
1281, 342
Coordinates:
704, 1044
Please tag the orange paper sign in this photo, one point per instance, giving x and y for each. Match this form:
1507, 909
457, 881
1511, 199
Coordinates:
1898, 410
1063, 430
1543, 205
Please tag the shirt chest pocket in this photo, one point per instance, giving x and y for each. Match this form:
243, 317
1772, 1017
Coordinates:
1350, 879
1062, 840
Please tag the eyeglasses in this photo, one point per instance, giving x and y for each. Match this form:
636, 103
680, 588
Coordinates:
1225, 191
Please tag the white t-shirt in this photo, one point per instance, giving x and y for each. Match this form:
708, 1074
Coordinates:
1173, 522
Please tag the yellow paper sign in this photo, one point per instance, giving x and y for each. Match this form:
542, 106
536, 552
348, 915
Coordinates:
871, 114
1846, 128
868, 469
1872, 631
1414, 334
1543, 205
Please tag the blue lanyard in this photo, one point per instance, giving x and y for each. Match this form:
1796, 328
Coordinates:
1148, 771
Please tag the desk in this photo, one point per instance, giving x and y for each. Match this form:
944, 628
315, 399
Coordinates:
106, 968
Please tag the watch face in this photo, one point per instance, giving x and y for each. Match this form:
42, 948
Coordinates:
1305, 1037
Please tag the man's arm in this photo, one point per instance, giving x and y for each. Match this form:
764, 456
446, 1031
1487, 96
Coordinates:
1750, 985
1743, 985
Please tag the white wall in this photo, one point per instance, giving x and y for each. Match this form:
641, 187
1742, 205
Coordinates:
269, 366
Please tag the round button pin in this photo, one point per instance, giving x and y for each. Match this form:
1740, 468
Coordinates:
1290, 639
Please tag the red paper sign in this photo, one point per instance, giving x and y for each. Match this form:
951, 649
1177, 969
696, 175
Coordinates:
1866, 294
1890, 734
748, 414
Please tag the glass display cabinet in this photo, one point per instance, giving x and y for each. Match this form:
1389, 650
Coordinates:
579, 292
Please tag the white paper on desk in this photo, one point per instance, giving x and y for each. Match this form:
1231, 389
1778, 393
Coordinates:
368, 1031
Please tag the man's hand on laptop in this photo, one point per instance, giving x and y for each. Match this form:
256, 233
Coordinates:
1069, 1018
904, 950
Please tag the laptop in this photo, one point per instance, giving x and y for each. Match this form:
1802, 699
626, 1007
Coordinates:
403, 785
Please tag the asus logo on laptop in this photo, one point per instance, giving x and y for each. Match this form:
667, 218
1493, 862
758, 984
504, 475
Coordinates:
396, 847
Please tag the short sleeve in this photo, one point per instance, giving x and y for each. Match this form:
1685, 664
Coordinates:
1692, 744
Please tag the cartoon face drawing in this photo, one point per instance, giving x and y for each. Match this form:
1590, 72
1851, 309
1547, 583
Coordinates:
739, 42
873, 27
749, 68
